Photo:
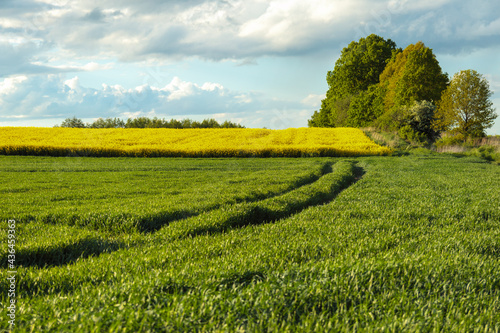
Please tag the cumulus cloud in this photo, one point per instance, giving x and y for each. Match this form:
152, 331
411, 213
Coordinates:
54, 96
244, 29
494, 81
313, 100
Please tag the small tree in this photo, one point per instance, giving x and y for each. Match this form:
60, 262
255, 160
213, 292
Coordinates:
465, 107
209, 123
108, 123
157, 123
417, 124
139, 122
73, 122
186, 123
174, 123
229, 124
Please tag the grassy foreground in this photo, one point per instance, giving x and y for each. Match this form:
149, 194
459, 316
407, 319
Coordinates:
328, 244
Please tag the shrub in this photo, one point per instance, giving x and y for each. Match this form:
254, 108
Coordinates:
455, 140
408, 133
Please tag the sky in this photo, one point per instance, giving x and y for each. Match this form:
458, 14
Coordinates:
254, 62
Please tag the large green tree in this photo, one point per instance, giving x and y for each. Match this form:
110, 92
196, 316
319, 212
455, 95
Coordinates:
358, 67
465, 107
366, 107
411, 76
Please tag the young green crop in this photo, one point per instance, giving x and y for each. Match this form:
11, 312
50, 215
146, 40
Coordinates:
413, 245
129, 195
268, 210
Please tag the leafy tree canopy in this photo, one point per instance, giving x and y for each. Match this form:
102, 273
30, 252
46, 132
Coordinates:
358, 67
366, 106
413, 75
374, 83
73, 122
107, 123
465, 107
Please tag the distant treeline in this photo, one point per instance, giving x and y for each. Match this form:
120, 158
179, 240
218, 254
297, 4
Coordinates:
145, 122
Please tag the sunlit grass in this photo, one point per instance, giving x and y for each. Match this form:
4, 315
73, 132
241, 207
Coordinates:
376, 244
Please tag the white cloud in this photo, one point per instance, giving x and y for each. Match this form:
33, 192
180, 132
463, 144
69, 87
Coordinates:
286, 19
481, 29
238, 29
94, 66
494, 82
313, 100
53, 96
9, 85
73, 83
243, 98
209, 86
178, 89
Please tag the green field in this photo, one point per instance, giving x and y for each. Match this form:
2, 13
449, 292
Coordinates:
409, 243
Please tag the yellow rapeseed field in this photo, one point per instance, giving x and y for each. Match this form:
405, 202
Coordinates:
151, 142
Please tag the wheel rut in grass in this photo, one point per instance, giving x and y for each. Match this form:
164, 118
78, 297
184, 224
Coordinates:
69, 253
121, 222
64, 254
343, 175
155, 222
